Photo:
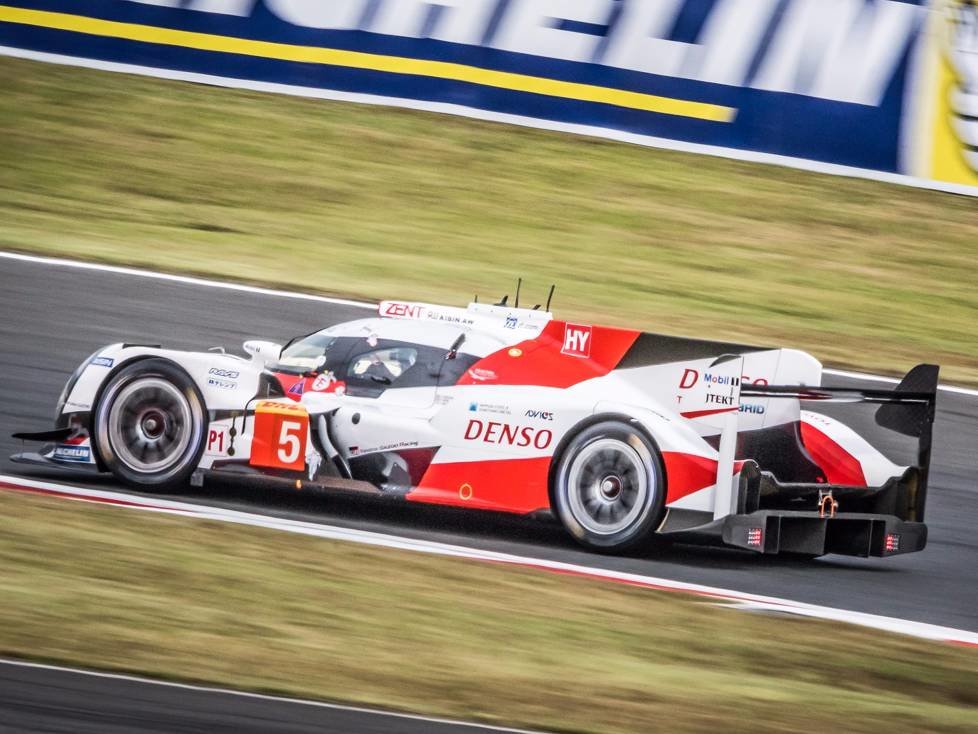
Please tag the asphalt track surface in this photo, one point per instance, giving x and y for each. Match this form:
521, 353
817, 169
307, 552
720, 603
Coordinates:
53, 317
47, 699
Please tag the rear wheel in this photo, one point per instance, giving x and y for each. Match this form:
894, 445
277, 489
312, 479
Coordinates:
609, 487
149, 425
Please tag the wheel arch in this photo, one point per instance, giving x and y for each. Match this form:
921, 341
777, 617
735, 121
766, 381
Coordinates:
591, 420
115, 370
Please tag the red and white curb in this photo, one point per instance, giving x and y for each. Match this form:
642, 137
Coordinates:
739, 599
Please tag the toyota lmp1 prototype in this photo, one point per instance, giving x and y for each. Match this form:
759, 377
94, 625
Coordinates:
622, 435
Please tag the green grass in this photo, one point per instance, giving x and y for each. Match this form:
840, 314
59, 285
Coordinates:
374, 202
263, 610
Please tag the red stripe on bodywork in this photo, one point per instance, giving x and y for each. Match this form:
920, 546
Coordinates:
839, 465
506, 485
711, 411
688, 473
521, 485
541, 362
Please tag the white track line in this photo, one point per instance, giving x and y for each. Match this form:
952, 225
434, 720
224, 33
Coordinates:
182, 279
207, 283
261, 696
752, 602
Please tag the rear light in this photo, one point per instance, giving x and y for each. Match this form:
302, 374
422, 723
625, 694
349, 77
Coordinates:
892, 544
755, 536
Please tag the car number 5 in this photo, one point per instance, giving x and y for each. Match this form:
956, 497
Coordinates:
289, 442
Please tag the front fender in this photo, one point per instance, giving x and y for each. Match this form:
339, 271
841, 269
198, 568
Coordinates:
227, 382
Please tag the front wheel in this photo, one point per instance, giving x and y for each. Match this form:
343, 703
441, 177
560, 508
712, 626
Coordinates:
150, 425
609, 487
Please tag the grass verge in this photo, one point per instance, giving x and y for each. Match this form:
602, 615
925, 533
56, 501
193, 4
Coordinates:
375, 202
256, 609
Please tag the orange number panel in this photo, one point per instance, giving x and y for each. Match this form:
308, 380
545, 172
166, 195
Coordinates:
280, 436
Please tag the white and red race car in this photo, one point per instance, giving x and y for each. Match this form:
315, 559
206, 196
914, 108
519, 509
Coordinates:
620, 434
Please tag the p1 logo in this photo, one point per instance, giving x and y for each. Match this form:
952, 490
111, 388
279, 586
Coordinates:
577, 340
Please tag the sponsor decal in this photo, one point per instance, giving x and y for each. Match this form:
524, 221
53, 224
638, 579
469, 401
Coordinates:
399, 310
221, 384
851, 49
402, 310
755, 536
386, 447
226, 374
691, 377
450, 319
511, 322
543, 415
298, 388
577, 341
79, 406
103, 361
944, 145
505, 434
962, 56
323, 381
482, 375
721, 380
219, 442
67, 452
713, 399
489, 408
753, 408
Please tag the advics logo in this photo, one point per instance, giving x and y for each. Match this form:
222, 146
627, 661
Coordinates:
577, 341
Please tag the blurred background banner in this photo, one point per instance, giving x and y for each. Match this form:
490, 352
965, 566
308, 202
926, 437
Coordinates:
880, 88
943, 139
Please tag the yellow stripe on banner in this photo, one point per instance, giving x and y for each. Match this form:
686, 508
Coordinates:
371, 62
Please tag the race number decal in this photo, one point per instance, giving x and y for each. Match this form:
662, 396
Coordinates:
280, 436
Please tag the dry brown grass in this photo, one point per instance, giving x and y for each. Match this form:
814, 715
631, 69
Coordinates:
264, 610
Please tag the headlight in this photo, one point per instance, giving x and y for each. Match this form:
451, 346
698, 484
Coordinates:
63, 398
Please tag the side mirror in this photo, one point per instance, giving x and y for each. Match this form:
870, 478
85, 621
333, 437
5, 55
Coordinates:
263, 352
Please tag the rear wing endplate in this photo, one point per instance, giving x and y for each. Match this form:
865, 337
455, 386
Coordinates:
909, 408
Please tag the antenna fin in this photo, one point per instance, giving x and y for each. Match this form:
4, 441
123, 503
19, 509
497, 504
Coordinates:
550, 296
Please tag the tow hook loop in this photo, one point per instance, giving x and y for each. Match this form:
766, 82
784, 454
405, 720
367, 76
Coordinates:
827, 505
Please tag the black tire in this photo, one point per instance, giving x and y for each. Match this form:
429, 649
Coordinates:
150, 425
609, 487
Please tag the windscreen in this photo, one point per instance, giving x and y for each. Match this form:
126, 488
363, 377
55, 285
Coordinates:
304, 355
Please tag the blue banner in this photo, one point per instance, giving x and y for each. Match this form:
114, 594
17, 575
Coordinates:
818, 80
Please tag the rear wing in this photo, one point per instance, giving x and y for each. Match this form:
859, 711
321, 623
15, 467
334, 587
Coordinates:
909, 408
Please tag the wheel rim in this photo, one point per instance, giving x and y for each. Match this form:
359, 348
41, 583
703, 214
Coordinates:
608, 485
150, 425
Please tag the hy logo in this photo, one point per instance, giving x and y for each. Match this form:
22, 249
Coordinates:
577, 341
962, 55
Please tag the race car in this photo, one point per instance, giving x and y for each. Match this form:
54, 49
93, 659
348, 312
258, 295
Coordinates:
623, 435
